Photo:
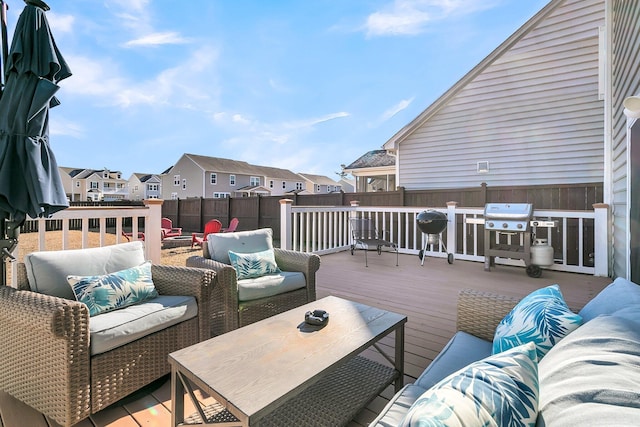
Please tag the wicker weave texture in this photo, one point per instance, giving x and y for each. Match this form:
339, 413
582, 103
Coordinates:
479, 313
121, 371
45, 351
331, 402
227, 313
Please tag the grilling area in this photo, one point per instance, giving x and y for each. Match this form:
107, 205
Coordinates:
510, 231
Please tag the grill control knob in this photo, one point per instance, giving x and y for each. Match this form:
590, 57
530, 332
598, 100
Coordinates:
520, 226
505, 225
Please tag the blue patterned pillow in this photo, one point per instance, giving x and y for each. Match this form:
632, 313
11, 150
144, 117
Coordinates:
542, 317
501, 390
255, 264
115, 290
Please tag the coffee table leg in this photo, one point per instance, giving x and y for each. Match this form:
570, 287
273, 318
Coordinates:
177, 399
399, 359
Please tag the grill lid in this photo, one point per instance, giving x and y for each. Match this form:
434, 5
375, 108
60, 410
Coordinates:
507, 216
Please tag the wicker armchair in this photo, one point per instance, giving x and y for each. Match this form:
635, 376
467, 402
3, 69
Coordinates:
228, 313
46, 356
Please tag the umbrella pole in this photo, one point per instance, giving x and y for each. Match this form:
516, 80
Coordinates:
8, 243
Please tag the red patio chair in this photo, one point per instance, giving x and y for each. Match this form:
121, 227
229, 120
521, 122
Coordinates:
168, 230
212, 226
233, 225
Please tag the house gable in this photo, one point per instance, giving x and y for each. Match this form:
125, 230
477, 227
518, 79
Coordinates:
530, 113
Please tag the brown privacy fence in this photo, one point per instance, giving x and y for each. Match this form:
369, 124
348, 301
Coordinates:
260, 211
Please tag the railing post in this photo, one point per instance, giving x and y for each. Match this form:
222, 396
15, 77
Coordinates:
601, 239
285, 223
152, 232
451, 227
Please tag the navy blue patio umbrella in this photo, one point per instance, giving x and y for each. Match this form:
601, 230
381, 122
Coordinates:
30, 183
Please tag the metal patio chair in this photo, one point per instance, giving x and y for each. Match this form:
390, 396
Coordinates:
365, 236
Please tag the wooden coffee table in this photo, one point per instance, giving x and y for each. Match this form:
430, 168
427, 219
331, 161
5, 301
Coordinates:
281, 371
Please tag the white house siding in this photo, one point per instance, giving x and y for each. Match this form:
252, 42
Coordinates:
625, 56
533, 112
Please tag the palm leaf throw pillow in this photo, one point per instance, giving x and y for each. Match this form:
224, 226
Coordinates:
116, 290
256, 264
498, 391
542, 317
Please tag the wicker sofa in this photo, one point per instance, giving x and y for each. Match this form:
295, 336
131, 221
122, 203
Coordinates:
590, 377
47, 349
229, 308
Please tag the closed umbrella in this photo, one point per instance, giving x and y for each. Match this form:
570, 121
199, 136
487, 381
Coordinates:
30, 182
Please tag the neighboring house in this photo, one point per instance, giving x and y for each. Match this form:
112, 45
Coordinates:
545, 107
93, 185
374, 171
282, 181
213, 177
144, 186
347, 185
320, 184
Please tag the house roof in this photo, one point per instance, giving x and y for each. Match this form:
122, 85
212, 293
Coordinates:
392, 143
219, 164
373, 159
319, 179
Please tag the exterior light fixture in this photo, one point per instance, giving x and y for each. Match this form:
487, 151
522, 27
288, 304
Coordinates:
632, 107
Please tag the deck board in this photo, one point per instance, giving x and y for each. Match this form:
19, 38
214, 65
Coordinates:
426, 294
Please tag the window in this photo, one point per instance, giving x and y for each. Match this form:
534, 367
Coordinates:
119, 176
153, 196
254, 181
151, 187
299, 186
270, 183
232, 180
135, 188
221, 195
184, 184
213, 178
78, 184
316, 188
176, 180
93, 185
329, 188
105, 174
174, 196
284, 184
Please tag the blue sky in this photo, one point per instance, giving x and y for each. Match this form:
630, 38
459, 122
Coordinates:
305, 85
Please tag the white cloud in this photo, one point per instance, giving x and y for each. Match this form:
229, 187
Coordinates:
60, 23
389, 113
157, 39
308, 123
409, 17
60, 126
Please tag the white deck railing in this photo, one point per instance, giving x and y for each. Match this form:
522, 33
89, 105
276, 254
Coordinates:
151, 212
325, 229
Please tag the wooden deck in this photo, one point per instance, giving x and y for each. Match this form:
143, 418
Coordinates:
426, 294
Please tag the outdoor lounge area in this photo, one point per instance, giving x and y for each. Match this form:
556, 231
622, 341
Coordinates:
426, 294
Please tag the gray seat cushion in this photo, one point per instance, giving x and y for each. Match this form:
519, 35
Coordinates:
591, 377
460, 351
618, 295
270, 285
116, 328
398, 406
47, 271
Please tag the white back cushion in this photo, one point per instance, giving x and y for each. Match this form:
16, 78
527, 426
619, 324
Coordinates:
241, 241
47, 271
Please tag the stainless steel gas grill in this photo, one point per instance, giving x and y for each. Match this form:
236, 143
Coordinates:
507, 234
